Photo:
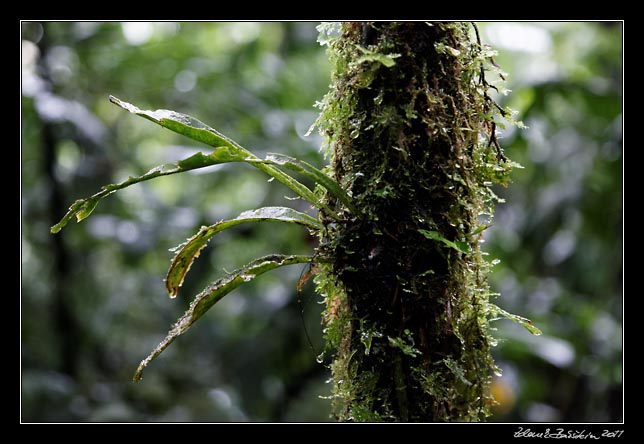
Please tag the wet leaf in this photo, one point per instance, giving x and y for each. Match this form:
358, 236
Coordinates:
184, 125
85, 210
214, 293
225, 150
190, 250
82, 208
480, 229
525, 322
199, 131
313, 173
460, 246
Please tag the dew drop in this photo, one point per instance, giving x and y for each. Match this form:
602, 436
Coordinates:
247, 277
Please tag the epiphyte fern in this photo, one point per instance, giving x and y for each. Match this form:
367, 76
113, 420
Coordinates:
223, 150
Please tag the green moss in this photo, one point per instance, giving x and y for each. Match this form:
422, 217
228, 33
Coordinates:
410, 132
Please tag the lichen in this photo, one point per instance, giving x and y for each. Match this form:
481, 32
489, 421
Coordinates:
410, 133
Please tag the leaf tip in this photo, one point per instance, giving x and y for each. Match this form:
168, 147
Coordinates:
126, 106
139, 372
533, 329
173, 290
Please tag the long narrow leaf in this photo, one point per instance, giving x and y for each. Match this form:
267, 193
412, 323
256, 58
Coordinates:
459, 246
525, 322
308, 170
82, 208
225, 150
199, 131
184, 125
189, 251
214, 293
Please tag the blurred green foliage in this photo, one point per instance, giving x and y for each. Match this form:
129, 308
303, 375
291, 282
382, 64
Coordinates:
93, 302
559, 236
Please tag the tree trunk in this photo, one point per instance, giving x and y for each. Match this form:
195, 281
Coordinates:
409, 128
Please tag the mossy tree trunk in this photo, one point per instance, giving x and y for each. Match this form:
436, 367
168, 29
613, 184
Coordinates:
411, 135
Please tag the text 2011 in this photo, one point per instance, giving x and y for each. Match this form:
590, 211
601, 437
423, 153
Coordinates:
566, 434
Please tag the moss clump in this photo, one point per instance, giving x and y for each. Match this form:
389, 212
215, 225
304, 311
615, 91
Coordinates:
411, 137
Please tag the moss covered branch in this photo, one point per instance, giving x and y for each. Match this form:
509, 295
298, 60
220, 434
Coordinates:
411, 136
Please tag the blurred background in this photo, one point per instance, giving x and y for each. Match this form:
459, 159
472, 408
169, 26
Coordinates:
93, 302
